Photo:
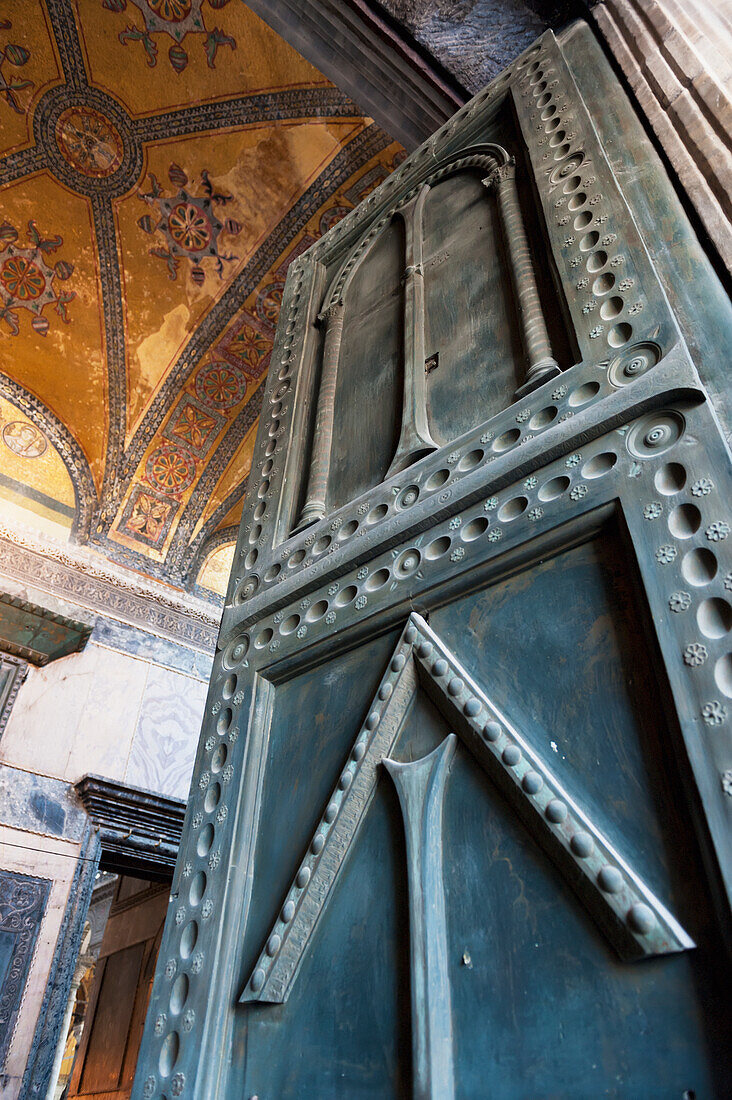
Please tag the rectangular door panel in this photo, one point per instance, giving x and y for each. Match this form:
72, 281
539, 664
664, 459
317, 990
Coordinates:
519, 937
311, 734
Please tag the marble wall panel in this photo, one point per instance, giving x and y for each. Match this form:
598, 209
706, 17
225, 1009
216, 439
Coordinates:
40, 805
166, 735
77, 715
102, 741
150, 647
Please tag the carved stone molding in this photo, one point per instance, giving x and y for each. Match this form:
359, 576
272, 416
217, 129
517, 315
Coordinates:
23, 900
139, 830
675, 58
79, 577
13, 671
39, 1066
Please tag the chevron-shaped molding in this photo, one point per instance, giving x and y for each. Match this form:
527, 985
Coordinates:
634, 920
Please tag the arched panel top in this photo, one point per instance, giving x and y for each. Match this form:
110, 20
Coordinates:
36, 483
485, 157
213, 575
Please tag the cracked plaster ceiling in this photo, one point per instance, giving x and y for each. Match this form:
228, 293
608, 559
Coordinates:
161, 162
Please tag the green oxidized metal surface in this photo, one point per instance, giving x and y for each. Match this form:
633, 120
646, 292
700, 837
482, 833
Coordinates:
489, 498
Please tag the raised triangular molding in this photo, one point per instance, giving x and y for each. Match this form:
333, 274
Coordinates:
634, 920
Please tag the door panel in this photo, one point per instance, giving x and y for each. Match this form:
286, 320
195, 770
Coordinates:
564, 648
110, 1027
364, 972
469, 309
459, 823
311, 732
105, 1060
369, 374
519, 939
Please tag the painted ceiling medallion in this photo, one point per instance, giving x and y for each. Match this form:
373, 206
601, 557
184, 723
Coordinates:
89, 142
220, 386
176, 18
27, 281
171, 469
188, 224
24, 439
148, 516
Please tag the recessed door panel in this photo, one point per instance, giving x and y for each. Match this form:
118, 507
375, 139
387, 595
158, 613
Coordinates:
469, 311
538, 992
366, 420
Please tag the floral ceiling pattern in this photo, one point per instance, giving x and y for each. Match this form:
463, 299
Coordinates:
161, 163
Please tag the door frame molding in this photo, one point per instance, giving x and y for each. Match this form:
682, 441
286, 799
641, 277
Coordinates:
129, 831
52, 1012
139, 830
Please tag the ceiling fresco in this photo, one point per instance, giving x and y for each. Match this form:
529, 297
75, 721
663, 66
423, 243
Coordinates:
161, 163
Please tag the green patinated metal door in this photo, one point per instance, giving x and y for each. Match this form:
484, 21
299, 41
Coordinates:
459, 821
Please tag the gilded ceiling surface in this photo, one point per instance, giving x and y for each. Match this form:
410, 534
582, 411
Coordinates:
161, 162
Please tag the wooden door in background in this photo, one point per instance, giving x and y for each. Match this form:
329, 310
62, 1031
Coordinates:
107, 1055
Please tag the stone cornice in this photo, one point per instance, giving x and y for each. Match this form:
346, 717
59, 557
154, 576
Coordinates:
375, 63
675, 61
139, 830
79, 577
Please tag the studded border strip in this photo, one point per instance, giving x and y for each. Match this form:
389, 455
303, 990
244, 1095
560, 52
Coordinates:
589, 400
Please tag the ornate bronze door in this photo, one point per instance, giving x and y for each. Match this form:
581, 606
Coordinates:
459, 824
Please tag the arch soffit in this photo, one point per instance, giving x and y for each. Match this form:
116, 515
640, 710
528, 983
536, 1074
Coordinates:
67, 447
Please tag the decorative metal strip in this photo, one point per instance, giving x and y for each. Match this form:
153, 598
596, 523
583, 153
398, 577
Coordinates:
634, 920
613, 293
556, 420
623, 323
279, 962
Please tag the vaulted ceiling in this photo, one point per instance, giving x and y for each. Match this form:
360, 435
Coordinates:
162, 161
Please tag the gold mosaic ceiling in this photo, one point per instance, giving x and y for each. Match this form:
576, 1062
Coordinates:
162, 161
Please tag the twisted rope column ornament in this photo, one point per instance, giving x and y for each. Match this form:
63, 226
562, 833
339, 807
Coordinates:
541, 362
